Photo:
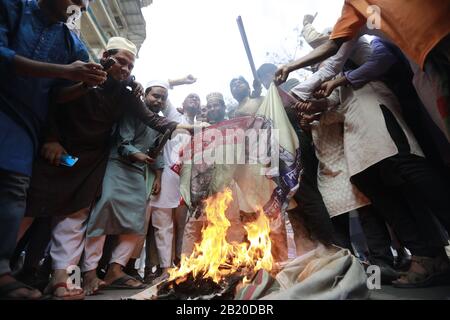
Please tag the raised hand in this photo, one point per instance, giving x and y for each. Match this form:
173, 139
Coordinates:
308, 19
281, 75
189, 79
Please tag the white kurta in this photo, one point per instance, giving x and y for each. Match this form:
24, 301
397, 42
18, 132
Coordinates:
170, 196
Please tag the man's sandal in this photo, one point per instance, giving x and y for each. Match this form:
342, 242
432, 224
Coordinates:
424, 272
121, 283
50, 290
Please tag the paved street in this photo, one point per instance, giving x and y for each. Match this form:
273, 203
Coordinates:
385, 293
391, 293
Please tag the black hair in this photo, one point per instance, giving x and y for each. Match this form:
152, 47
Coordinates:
266, 68
240, 78
147, 91
112, 52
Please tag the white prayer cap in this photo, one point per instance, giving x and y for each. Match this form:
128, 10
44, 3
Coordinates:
158, 83
119, 43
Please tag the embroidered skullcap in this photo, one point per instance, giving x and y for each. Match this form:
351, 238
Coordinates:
214, 97
119, 43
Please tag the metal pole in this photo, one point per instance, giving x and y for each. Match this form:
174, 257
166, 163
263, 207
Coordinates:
247, 47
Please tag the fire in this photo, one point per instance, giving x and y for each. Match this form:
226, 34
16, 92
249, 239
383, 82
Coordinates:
214, 257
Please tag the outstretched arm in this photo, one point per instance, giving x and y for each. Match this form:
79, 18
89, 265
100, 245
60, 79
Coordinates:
189, 79
376, 66
347, 27
329, 68
328, 49
90, 73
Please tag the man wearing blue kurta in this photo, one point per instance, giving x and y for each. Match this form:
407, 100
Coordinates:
36, 49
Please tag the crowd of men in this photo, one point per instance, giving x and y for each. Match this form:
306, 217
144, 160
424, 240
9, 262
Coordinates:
372, 122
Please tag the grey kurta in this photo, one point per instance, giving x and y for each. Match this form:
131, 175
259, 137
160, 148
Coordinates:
121, 208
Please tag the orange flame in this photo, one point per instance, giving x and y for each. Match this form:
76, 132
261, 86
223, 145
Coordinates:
214, 257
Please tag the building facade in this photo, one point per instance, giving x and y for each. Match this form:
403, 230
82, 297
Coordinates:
110, 18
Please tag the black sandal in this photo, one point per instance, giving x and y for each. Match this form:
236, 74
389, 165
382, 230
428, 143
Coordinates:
121, 283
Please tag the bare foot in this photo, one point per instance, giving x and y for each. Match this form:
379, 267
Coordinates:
19, 293
91, 283
59, 289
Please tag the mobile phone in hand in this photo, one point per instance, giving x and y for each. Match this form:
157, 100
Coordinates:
155, 152
108, 63
68, 160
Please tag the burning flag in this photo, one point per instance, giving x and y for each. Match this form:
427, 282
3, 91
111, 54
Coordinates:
260, 153
216, 265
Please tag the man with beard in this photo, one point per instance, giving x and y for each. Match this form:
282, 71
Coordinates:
216, 110
82, 128
156, 99
121, 209
36, 49
248, 103
167, 215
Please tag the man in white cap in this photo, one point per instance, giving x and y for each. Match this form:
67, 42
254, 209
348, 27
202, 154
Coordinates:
83, 130
168, 216
121, 210
156, 99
